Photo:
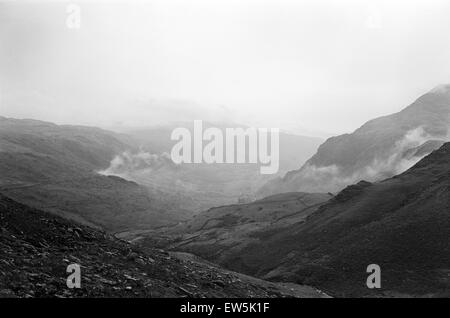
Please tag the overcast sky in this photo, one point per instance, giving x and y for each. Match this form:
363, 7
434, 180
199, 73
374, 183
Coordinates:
306, 66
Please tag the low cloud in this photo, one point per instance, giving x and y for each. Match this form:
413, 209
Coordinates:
125, 164
403, 155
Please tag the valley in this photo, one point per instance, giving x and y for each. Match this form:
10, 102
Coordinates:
128, 197
213, 150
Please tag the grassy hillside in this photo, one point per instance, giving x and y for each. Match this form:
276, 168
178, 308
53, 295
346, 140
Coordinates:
219, 234
55, 168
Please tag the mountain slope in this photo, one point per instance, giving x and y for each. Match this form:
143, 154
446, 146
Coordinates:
374, 151
221, 233
54, 168
401, 224
36, 249
84, 147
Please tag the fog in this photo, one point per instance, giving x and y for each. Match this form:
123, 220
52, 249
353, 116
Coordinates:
310, 67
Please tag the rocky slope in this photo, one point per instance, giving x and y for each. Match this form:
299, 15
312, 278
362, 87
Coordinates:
36, 249
375, 150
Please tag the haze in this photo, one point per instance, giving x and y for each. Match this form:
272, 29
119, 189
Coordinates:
311, 67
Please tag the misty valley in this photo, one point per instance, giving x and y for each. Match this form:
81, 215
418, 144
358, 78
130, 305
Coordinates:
220, 156
379, 195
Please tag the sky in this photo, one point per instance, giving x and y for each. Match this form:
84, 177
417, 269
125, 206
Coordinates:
316, 67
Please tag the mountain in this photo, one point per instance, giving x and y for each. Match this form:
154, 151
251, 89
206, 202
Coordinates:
401, 223
36, 249
120, 181
55, 168
375, 150
201, 186
78, 147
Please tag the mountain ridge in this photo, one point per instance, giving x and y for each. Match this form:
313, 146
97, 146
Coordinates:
371, 151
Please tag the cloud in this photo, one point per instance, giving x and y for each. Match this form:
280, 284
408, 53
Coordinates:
398, 159
126, 163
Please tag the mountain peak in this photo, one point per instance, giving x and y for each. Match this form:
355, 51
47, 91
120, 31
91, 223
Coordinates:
441, 89
437, 101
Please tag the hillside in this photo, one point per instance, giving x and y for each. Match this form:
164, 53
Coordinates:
401, 224
55, 168
375, 150
36, 249
219, 234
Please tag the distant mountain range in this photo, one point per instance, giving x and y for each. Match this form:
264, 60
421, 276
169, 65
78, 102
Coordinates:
381, 148
201, 186
294, 149
401, 224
